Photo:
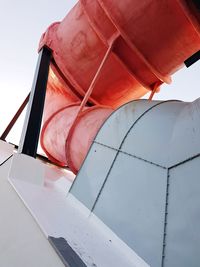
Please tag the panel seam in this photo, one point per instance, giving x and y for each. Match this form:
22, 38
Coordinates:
135, 122
131, 155
6, 160
165, 219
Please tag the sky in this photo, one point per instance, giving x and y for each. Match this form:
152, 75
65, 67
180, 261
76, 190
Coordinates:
22, 23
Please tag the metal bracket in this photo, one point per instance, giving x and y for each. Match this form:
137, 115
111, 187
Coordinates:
191, 60
32, 124
14, 119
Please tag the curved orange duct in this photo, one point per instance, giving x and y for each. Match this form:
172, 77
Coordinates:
107, 52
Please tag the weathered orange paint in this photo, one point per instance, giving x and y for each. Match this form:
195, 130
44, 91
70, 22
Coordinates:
119, 50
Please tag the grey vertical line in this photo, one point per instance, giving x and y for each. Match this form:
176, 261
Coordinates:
165, 218
104, 182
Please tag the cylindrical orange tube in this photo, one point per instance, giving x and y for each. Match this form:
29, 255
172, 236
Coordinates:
150, 41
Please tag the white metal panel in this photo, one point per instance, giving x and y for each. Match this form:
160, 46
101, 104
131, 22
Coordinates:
132, 204
164, 135
27, 168
167, 134
150, 137
92, 174
183, 222
185, 140
66, 217
6, 151
120, 121
22, 242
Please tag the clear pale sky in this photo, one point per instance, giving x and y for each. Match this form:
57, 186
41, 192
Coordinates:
22, 23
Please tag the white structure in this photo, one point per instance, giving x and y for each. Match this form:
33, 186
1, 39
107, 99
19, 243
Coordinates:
133, 203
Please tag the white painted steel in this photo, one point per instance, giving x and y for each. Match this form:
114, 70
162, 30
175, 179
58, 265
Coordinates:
117, 125
22, 242
150, 137
132, 204
96, 166
66, 217
133, 199
185, 139
183, 235
130, 201
90, 179
27, 168
167, 134
6, 151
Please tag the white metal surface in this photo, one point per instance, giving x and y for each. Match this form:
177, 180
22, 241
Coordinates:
93, 174
135, 198
132, 204
185, 139
152, 178
27, 168
22, 242
66, 217
6, 151
150, 137
183, 235
117, 125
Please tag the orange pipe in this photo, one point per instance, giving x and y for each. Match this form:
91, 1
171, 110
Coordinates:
108, 52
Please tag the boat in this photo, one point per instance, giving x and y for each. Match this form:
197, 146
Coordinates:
119, 185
